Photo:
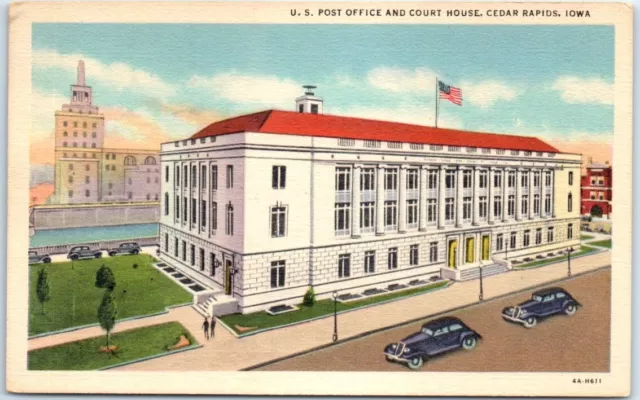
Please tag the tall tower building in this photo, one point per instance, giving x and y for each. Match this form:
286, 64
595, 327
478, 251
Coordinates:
79, 139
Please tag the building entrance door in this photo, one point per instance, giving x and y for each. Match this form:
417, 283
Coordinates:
453, 253
485, 247
227, 277
470, 250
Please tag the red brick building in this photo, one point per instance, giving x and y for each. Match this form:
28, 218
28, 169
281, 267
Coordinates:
597, 190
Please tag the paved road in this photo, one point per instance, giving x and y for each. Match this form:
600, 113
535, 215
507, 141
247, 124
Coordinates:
579, 343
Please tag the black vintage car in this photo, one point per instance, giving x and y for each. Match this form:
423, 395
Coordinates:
125, 248
543, 303
78, 252
436, 337
35, 258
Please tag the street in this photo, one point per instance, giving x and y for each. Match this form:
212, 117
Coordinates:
579, 343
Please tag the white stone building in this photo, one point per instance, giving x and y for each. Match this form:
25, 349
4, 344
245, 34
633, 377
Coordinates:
262, 206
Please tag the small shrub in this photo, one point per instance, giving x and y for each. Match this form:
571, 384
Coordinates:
105, 278
135, 266
309, 298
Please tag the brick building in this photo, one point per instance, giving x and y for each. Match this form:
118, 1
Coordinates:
597, 190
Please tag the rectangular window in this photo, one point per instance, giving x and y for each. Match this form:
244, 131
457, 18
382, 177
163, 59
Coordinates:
499, 241
342, 219
369, 262
367, 179
175, 247
344, 265
193, 211
193, 254
194, 177
166, 242
184, 251
431, 210
277, 274
466, 208
392, 258
570, 177
497, 207
526, 238
570, 231
229, 220
201, 259
484, 180
547, 178
433, 252
185, 177
203, 213
278, 177
511, 205
536, 204
497, 179
524, 180
538, 235
432, 179
212, 264
550, 234
184, 209
390, 215
525, 205
214, 177
536, 179
390, 179
203, 177
214, 216
511, 179
482, 207
513, 240
466, 179
449, 210
547, 204
412, 213
413, 254
412, 179
229, 176
367, 213
278, 221
343, 179
450, 179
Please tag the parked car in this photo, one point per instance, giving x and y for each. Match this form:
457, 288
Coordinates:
78, 252
125, 248
35, 258
436, 337
544, 303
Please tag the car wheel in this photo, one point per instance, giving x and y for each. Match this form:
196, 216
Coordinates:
530, 322
388, 358
135, 252
98, 255
570, 309
469, 342
416, 362
74, 257
47, 260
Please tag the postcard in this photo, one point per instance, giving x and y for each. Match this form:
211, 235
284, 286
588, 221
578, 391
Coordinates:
379, 199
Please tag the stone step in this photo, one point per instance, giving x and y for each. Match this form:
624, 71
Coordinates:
201, 310
489, 270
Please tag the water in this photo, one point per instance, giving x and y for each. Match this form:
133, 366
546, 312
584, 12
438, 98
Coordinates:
52, 237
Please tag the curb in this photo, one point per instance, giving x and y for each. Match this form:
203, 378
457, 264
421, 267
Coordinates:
76, 328
241, 336
413, 320
591, 253
122, 364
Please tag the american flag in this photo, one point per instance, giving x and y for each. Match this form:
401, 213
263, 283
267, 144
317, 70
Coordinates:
453, 94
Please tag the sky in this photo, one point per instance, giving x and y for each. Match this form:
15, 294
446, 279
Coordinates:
161, 82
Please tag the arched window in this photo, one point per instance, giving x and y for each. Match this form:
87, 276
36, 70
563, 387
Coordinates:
130, 160
150, 161
64, 144
65, 133
570, 202
229, 220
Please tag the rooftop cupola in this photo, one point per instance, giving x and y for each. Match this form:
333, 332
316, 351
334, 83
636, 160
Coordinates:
309, 102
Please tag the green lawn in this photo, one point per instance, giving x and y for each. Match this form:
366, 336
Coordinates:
262, 320
532, 264
585, 237
602, 243
75, 299
131, 345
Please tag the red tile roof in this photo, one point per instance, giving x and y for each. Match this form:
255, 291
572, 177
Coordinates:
332, 126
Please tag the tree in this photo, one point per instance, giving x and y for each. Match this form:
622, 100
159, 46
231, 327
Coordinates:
105, 278
309, 297
44, 287
107, 313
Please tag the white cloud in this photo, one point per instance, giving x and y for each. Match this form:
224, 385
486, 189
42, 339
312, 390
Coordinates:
43, 107
119, 76
400, 80
485, 94
250, 90
408, 114
575, 90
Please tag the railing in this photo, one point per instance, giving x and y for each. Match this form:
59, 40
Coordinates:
99, 245
390, 195
367, 196
412, 194
432, 193
343, 196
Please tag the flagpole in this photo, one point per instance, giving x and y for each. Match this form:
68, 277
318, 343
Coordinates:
436, 125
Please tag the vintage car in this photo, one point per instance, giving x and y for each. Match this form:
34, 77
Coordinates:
78, 252
543, 303
35, 258
125, 248
436, 337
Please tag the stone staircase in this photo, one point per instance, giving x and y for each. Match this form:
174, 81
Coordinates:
487, 270
215, 303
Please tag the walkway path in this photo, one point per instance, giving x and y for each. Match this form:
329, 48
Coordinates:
596, 238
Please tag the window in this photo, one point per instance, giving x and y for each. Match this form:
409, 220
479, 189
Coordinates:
547, 178
536, 179
550, 234
570, 177
547, 204
185, 175
525, 205
433, 252
177, 176
70, 179
497, 207
175, 247
413, 254
64, 144
166, 242
390, 215
201, 254
86, 179
342, 217
129, 160
412, 179
367, 179
432, 179
178, 207
538, 235
84, 134
483, 180
513, 240
93, 135
570, 202
511, 205
184, 209
194, 177
229, 176
499, 241
87, 193
466, 208
277, 274
524, 180
70, 193
343, 179
166, 204
412, 213
203, 213
392, 258
466, 179
203, 177
229, 220
536, 204
390, 179
64, 123
449, 210
130, 195
369, 262
150, 160
450, 179
212, 264
367, 216
511, 179
482, 207
65, 133
278, 177
193, 254
129, 181
314, 108
214, 216
75, 144
344, 265
75, 124
184, 251
525, 238
214, 177
431, 211
497, 179
278, 221
75, 134
570, 231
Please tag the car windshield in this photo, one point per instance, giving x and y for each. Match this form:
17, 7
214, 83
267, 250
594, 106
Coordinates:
537, 298
427, 331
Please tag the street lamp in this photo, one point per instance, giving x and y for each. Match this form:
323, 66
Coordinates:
569, 251
481, 295
335, 316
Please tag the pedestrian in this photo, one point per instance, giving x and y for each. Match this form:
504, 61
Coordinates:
205, 326
213, 326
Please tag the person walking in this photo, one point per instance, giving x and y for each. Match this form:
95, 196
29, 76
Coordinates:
213, 326
205, 326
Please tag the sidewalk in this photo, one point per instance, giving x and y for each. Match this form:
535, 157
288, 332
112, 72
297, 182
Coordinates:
226, 353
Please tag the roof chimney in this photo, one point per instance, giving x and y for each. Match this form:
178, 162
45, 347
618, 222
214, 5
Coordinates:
309, 102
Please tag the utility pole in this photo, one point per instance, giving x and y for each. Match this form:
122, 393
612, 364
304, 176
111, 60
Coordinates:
335, 316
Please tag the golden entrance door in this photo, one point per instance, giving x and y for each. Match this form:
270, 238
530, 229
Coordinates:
470, 250
227, 277
453, 253
485, 247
